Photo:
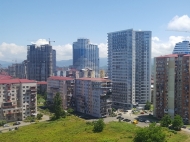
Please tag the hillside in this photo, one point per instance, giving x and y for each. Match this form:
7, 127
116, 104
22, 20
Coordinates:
74, 129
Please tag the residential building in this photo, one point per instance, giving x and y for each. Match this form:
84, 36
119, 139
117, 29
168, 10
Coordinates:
64, 86
93, 96
182, 48
42, 87
171, 86
18, 70
17, 99
86, 55
40, 62
129, 68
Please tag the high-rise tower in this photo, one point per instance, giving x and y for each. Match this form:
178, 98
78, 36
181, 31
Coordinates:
182, 48
41, 62
86, 55
129, 57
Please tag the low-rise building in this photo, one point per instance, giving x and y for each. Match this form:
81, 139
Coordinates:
62, 85
93, 96
17, 99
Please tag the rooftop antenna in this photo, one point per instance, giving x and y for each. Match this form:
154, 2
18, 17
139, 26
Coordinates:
50, 41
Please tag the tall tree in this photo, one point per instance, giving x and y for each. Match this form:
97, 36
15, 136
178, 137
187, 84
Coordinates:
99, 126
153, 133
147, 106
58, 110
166, 121
177, 123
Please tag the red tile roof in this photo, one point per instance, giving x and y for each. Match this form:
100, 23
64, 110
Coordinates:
187, 55
94, 79
170, 55
42, 82
2, 77
60, 78
9, 81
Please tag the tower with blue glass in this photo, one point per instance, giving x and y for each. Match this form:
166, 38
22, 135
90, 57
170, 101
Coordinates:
86, 55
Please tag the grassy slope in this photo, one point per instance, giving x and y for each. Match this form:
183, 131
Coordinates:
73, 129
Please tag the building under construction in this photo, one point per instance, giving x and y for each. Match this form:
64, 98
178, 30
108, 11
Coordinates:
41, 62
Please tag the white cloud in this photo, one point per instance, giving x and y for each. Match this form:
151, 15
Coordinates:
103, 50
155, 39
163, 48
11, 51
40, 42
180, 23
63, 52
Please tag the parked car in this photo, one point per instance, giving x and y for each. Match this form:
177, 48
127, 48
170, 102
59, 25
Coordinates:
184, 127
5, 125
16, 123
118, 117
142, 112
127, 120
147, 121
119, 113
121, 118
141, 120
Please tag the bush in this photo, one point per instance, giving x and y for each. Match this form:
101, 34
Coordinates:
99, 126
166, 121
30, 119
177, 123
39, 116
2, 122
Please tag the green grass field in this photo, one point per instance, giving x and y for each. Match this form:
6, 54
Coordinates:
74, 129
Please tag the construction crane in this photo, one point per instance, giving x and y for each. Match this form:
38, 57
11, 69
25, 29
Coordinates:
50, 41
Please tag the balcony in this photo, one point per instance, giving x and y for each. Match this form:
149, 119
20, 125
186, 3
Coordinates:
165, 110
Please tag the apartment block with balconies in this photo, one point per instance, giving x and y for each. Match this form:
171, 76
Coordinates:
64, 86
171, 86
17, 99
93, 96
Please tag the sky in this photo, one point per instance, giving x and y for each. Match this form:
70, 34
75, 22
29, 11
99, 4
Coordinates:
23, 22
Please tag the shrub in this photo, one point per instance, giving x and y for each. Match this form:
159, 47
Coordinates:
99, 126
39, 116
2, 122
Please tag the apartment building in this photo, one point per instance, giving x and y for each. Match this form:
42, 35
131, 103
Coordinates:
93, 96
86, 55
129, 58
17, 99
41, 62
62, 85
182, 48
18, 70
42, 87
171, 86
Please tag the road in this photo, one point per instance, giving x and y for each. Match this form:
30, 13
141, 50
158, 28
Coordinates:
44, 118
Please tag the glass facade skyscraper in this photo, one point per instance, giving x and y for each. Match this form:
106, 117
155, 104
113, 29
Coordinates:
86, 55
182, 48
129, 57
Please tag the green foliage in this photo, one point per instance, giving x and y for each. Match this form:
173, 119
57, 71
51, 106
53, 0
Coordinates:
2, 122
39, 116
58, 110
30, 119
177, 123
70, 110
147, 106
152, 133
166, 121
99, 126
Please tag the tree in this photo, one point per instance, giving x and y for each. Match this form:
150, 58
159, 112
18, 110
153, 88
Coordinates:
177, 123
153, 133
147, 106
39, 116
166, 121
58, 110
70, 110
99, 126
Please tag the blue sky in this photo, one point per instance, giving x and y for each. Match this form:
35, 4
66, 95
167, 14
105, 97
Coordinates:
26, 21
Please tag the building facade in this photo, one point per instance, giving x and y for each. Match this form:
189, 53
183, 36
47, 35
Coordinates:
17, 99
18, 70
86, 55
93, 96
171, 86
64, 86
182, 48
129, 58
40, 62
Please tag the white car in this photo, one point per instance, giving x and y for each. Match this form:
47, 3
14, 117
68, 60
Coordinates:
5, 125
147, 121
